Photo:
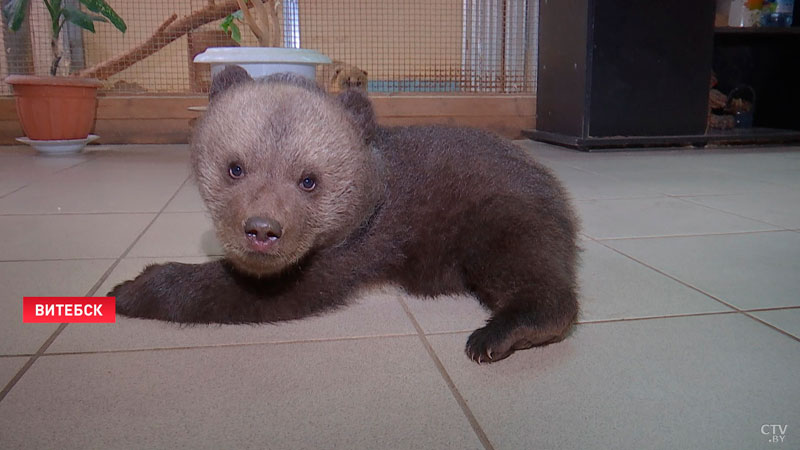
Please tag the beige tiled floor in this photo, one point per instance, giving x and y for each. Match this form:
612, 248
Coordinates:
689, 335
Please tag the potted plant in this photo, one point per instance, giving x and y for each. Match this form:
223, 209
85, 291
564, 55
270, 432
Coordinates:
268, 57
57, 113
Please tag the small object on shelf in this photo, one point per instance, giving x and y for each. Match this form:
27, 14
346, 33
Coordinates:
721, 121
740, 106
745, 13
777, 13
722, 13
717, 101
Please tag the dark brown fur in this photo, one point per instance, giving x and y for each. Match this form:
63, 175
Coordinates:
436, 210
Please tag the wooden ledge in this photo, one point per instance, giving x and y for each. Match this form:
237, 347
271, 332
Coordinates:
166, 119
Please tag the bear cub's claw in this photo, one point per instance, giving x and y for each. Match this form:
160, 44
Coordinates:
486, 345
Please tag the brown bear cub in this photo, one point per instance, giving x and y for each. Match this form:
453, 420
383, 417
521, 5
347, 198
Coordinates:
311, 200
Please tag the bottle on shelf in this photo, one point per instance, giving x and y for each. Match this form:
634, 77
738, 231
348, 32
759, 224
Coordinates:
777, 13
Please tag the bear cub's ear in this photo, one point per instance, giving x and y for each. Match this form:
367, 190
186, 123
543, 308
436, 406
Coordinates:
230, 76
357, 104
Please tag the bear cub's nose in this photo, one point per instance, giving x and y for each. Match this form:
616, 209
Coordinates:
262, 229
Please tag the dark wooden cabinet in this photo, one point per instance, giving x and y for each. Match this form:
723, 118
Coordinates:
633, 73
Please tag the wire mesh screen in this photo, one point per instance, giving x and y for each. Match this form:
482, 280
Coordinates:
457, 46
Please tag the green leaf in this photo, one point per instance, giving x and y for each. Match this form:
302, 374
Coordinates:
101, 7
14, 13
80, 18
231, 29
226, 23
236, 35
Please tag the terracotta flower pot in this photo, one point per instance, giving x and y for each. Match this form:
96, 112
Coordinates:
51, 108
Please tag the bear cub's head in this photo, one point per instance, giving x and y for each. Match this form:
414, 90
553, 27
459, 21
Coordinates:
284, 168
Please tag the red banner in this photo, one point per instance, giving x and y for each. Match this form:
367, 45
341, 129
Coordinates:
69, 310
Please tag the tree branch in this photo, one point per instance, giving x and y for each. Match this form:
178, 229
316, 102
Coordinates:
251, 21
170, 30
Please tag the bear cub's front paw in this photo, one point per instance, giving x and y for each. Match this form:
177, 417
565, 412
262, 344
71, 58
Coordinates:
140, 297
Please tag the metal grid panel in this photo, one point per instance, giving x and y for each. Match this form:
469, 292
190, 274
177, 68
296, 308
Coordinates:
456, 46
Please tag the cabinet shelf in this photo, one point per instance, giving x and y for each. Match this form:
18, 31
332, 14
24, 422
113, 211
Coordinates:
756, 135
759, 31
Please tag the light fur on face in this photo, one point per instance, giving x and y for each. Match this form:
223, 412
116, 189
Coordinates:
279, 133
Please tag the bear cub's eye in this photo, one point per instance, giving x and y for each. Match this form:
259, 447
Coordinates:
308, 183
235, 171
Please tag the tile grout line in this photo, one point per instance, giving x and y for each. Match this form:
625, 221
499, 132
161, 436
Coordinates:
112, 258
656, 194
79, 213
204, 255
89, 158
692, 202
462, 403
113, 266
717, 170
694, 288
670, 236
15, 190
624, 319
57, 259
780, 330
662, 194
642, 318
231, 345
744, 312
382, 336
728, 194
10, 385
681, 315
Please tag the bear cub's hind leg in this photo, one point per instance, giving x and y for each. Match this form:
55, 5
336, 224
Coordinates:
518, 327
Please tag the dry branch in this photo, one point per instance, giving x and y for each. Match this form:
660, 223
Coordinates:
169, 31
275, 24
261, 12
248, 17
263, 22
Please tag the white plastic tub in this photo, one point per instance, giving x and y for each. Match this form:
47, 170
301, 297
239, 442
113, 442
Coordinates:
262, 61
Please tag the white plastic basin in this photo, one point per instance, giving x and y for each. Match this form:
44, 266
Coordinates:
262, 61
